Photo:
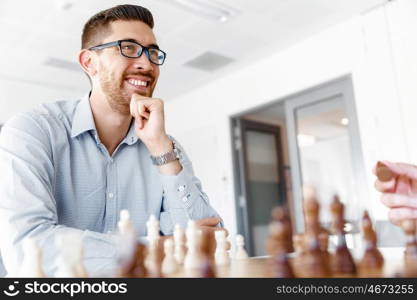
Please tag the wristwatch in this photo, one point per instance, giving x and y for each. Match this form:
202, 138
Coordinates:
163, 159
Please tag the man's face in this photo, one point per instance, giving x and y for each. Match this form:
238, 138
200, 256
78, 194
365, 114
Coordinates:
118, 76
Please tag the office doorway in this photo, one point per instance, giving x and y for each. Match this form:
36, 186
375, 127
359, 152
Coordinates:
319, 144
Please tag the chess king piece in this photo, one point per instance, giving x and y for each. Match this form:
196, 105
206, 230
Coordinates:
32, 260
342, 262
240, 248
179, 241
372, 261
315, 259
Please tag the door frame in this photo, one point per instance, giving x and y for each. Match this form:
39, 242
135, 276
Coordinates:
242, 187
342, 87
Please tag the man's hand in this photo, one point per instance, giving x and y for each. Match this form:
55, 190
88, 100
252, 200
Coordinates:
209, 226
400, 192
150, 123
150, 128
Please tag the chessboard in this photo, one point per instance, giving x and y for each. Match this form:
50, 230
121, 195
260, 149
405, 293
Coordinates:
197, 252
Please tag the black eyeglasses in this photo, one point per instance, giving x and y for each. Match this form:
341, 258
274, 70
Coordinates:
132, 49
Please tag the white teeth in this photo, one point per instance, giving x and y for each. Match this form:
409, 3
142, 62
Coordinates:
137, 82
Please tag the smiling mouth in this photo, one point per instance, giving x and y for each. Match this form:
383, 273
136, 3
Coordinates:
138, 83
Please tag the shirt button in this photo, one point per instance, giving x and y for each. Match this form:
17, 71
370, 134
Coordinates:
111, 195
184, 199
181, 188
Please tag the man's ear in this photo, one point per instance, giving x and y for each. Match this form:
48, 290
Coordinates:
86, 61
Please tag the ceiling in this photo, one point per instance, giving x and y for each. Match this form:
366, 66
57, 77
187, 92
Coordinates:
34, 32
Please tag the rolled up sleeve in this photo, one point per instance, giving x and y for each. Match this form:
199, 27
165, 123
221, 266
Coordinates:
184, 198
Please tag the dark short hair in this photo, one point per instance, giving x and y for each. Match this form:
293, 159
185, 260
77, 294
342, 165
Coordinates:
98, 25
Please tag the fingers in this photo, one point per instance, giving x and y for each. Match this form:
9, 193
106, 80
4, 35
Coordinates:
398, 201
212, 221
397, 215
385, 187
402, 169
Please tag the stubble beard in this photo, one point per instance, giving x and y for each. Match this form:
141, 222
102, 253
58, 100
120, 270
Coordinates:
117, 97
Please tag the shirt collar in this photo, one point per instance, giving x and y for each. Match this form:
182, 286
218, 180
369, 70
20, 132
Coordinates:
82, 120
131, 137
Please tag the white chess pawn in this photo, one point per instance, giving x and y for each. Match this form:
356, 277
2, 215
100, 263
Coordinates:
169, 264
193, 259
125, 225
70, 257
240, 248
32, 260
152, 227
221, 256
179, 239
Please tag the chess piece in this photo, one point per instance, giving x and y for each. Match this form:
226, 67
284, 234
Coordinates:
240, 248
154, 254
207, 268
134, 266
221, 255
70, 257
410, 253
193, 259
282, 215
281, 266
383, 173
300, 251
372, 261
32, 260
342, 263
315, 259
125, 224
169, 264
179, 240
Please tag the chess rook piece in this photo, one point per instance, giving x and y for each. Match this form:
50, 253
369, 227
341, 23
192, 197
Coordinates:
342, 262
372, 261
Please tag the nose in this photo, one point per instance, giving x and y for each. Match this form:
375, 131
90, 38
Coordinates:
143, 63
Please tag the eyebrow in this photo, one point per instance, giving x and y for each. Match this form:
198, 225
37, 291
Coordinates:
149, 46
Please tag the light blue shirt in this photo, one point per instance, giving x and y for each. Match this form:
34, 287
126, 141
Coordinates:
56, 176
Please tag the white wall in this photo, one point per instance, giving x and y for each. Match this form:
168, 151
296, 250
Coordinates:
376, 48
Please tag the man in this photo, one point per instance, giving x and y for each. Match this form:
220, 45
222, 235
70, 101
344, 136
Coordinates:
72, 166
400, 193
